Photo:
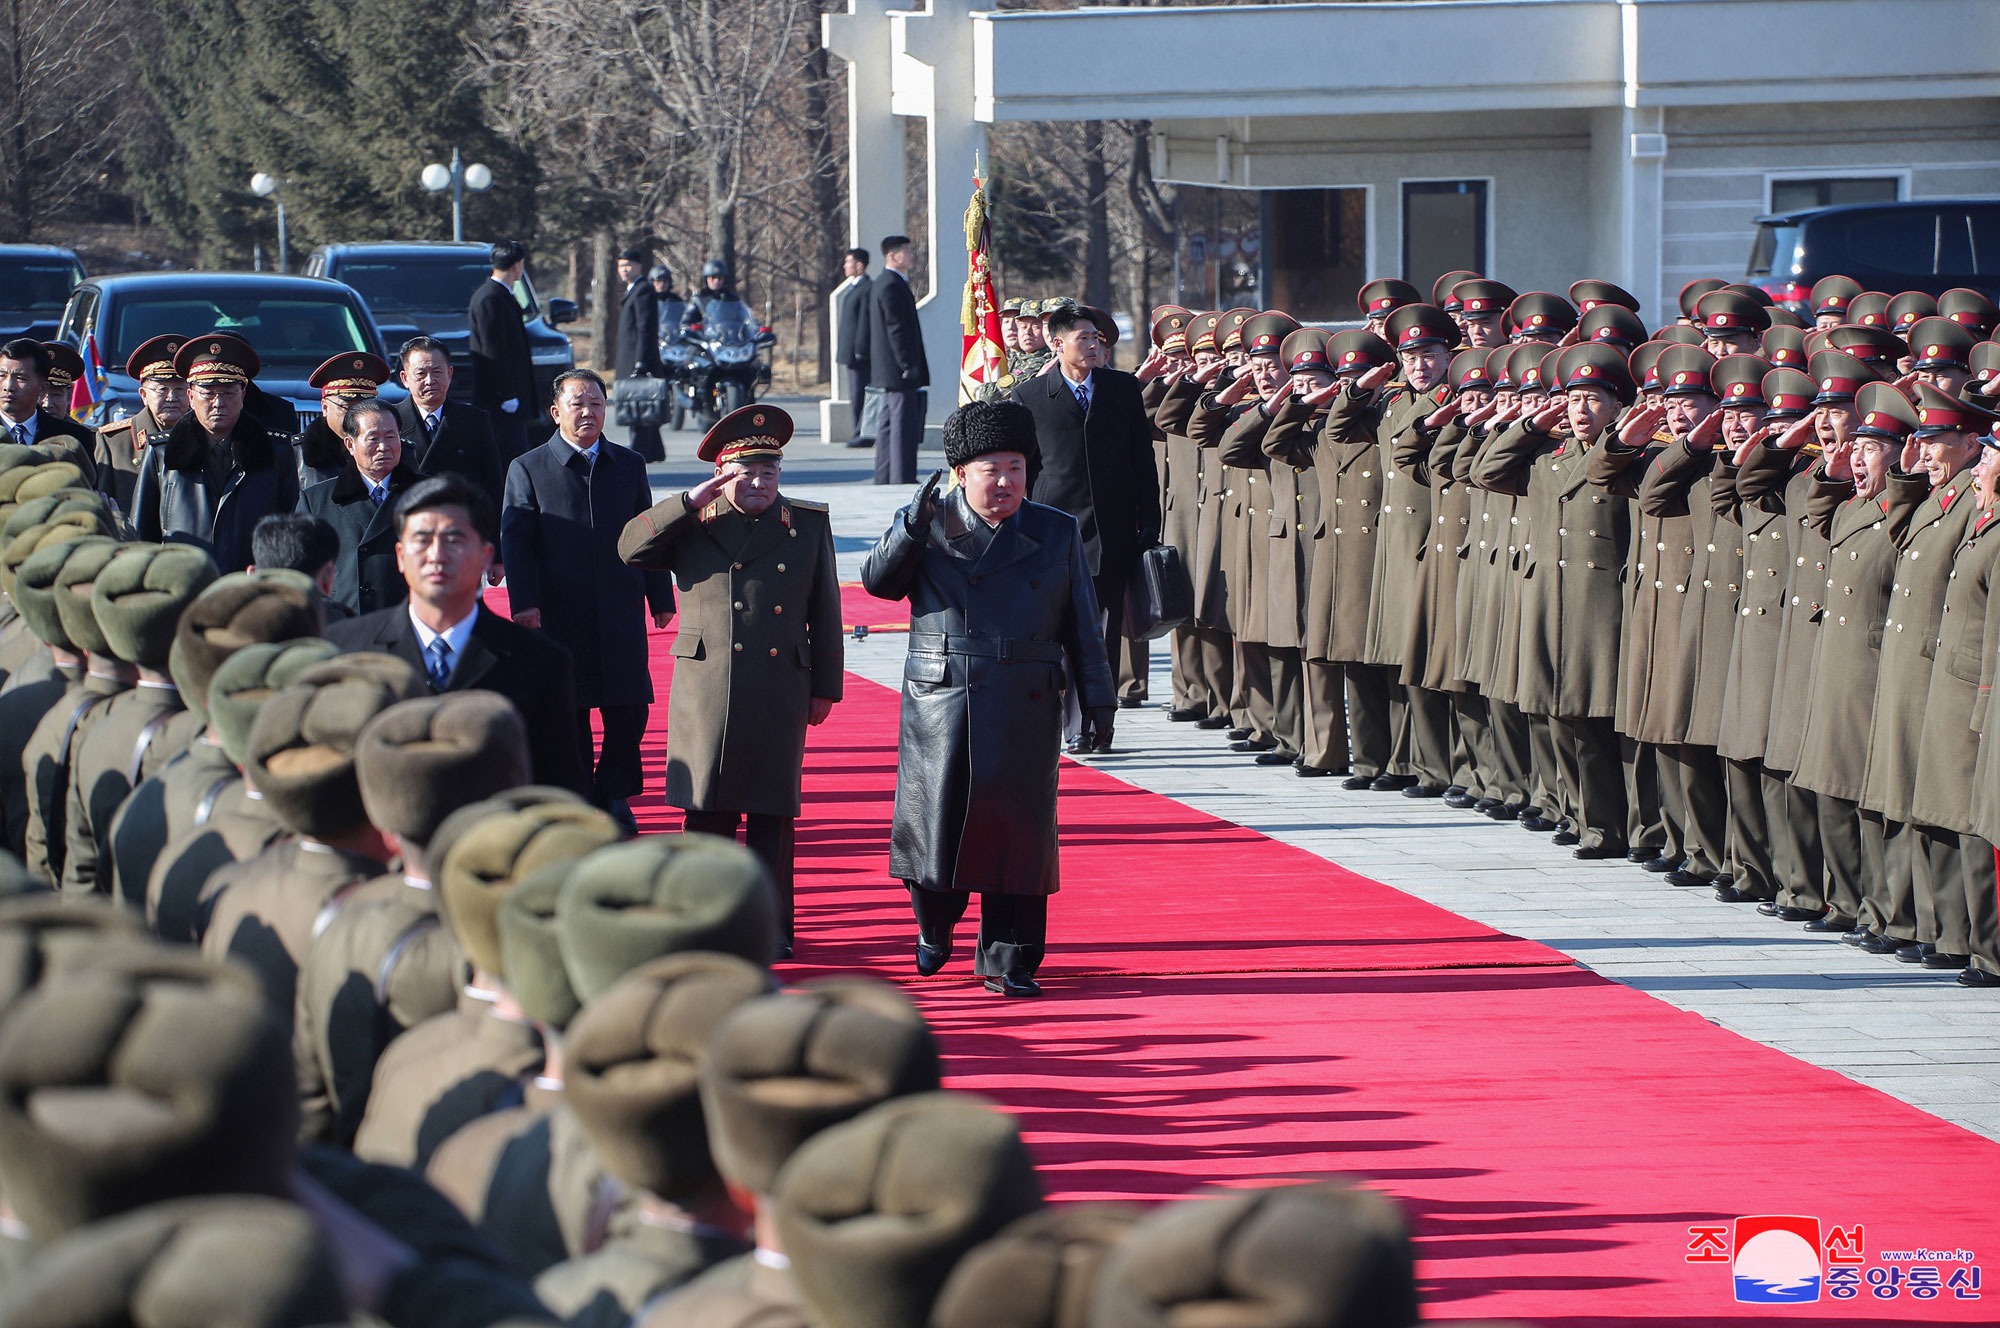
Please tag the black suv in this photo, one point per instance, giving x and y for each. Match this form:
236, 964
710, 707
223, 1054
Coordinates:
1929, 246
35, 282
427, 287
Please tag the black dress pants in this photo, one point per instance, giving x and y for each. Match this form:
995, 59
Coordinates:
770, 838
613, 764
1013, 929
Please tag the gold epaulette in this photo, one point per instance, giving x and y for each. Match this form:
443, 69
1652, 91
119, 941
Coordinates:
1663, 435
806, 504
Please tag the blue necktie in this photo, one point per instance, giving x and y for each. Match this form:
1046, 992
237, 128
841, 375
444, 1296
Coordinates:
1083, 395
21, 434
440, 664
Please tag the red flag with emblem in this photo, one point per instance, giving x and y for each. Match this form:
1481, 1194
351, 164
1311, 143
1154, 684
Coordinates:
984, 360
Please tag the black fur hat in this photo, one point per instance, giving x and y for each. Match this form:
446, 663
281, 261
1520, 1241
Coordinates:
974, 430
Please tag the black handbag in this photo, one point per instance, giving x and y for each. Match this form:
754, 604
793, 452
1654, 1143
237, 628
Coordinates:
639, 400
1160, 596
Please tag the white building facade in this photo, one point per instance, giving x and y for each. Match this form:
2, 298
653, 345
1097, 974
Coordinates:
1538, 141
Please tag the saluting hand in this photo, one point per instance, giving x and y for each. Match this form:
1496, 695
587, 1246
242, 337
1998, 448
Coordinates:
1153, 366
1913, 456
704, 493
1907, 385
1706, 434
1209, 372
1571, 337
1641, 425
1549, 416
1379, 376
1322, 396
1484, 414
1751, 444
1800, 433
1838, 466
1443, 415
1236, 391
1277, 400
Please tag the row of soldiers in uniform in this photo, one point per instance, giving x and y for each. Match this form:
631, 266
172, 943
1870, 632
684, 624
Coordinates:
363, 1026
1713, 600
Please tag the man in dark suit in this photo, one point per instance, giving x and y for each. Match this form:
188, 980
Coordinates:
854, 302
439, 434
1096, 453
567, 501
639, 341
24, 377
445, 531
360, 504
503, 368
896, 364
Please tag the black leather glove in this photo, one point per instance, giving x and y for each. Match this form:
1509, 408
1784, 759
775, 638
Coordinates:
925, 507
1098, 723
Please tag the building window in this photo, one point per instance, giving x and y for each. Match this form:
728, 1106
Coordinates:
1444, 229
1316, 245
1798, 195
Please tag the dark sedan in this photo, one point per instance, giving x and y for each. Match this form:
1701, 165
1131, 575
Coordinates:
294, 323
35, 282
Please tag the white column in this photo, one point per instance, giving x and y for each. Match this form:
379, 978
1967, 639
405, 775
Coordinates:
861, 37
934, 78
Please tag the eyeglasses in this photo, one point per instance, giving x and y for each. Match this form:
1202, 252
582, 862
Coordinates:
451, 541
216, 391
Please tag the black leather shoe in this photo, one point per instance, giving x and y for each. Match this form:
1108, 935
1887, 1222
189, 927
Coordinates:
1641, 854
1661, 864
1391, 783
1181, 716
1252, 745
1978, 977
1505, 812
1594, 852
1912, 953
1565, 837
1213, 722
1422, 791
1725, 878
1787, 913
1278, 757
1856, 935
929, 960
1012, 984
1485, 806
1729, 894
1077, 746
784, 951
1939, 960
1304, 771
1769, 908
1355, 783
620, 812
1536, 823
1459, 798
1684, 880
1238, 735
1130, 702
1884, 945
1831, 924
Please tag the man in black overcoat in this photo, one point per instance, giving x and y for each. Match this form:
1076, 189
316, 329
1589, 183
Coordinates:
897, 366
639, 341
503, 366
855, 298
360, 504
440, 434
976, 774
445, 530
567, 501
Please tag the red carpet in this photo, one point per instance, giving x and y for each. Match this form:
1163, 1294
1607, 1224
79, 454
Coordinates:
1224, 1009
858, 608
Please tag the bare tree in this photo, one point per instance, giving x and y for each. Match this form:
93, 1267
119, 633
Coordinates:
63, 111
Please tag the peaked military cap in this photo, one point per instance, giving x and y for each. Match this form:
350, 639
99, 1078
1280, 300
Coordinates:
1230, 329
1053, 304
1693, 292
1870, 342
1481, 296
1839, 376
421, 760
1684, 371
1441, 289
1939, 343
1938, 412
1680, 334
1468, 372
1357, 350
1040, 1272
1738, 380
1984, 361
1378, 297
490, 856
1540, 375
1909, 307
1011, 308
1101, 319
1418, 325
1612, 323
352, 375
1269, 1258
1541, 314
747, 433
140, 595
1203, 333
876, 1212
1518, 361
1305, 350
217, 357
1644, 363
659, 895
1831, 295
1588, 295
784, 1067
1780, 316
1785, 347
1882, 411
1729, 312
1869, 309
632, 1066
1265, 333
153, 358
1169, 330
1788, 393
1757, 294
1595, 366
65, 365
1970, 308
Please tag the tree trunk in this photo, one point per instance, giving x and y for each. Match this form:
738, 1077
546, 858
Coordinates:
1097, 236
579, 273
604, 304
721, 216
819, 91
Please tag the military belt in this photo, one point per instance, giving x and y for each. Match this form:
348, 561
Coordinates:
144, 744
1005, 649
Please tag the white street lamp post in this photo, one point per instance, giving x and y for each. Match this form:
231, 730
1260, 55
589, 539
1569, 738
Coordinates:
437, 177
265, 185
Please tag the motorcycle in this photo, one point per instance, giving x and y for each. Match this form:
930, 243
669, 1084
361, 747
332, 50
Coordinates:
716, 364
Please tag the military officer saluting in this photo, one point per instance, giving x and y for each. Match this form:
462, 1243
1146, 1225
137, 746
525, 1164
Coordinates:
758, 655
121, 446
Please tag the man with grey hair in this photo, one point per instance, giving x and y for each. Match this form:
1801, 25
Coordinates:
359, 502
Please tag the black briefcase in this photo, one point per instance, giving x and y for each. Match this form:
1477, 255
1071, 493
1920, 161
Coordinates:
1160, 596
639, 400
